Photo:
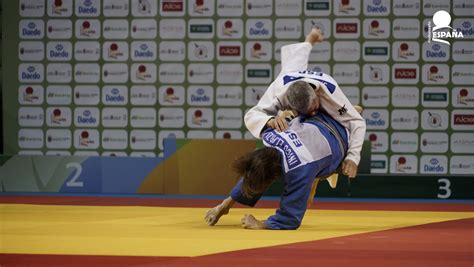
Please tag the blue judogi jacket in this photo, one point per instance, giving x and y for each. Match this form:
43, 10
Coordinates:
309, 149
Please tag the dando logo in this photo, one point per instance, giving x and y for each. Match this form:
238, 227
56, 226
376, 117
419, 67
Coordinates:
441, 29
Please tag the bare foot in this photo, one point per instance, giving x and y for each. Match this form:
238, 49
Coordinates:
359, 108
213, 215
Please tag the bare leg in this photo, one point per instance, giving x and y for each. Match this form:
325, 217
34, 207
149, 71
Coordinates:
213, 215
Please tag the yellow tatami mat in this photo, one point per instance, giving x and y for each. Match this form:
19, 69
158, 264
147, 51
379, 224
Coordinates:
159, 231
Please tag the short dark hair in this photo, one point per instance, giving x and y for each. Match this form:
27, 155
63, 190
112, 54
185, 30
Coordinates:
259, 169
300, 96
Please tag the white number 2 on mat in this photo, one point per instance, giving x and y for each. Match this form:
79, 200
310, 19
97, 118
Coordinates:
74, 182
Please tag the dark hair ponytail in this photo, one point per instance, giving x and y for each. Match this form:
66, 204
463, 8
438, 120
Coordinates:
259, 169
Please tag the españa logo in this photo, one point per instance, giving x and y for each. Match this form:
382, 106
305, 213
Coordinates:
441, 29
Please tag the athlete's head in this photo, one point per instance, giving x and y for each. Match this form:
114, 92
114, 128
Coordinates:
302, 98
259, 169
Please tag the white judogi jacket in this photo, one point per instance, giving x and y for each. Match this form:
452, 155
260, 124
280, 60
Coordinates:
294, 64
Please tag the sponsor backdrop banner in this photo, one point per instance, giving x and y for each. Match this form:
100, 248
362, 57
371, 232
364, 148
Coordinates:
116, 77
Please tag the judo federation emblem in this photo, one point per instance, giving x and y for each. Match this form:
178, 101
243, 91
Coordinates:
342, 110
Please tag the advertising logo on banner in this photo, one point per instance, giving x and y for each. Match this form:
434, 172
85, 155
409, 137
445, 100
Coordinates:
376, 119
258, 51
405, 97
405, 51
462, 142
115, 8
59, 73
171, 95
378, 163
200, 73
200, 117
33, 73
31, 51
58, 139
204, 8
143, 51
440, 28
86, 139
376, 51
172, 8
86, 117
376, 73
404, 142
462, 119
114, 139
171, 73
463, 97
114, 95
346, 51
30, 138
346, 73
31, 95
145, 28
406, 8
230, 28
435, 97
114, 117
200, 51
59, 95
404, 119
229, 118
400, 164
253, 94
59, 8
144, 8
378, 141
143, 95
86, 95
288, 28
230, 8
58, 117
376, 7
59, 29
115, 51
434, 119
259, 8
229, 96
462, 74
376, 28
200, 95
143, 139
461, 165
31, 8
168, 51
433, 164
171, 117
406, 28
259, 28
434, 142
405, 73
143, 73
143, 117
87, 8
375, 97
59, 51
228, 134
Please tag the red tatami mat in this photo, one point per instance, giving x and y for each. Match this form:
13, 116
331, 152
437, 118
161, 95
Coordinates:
444, 244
